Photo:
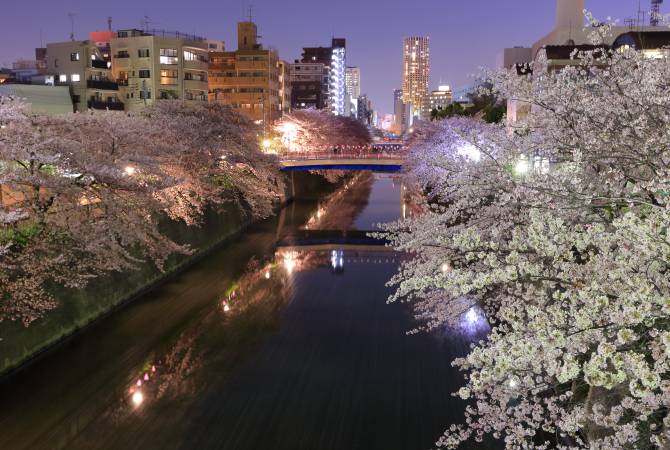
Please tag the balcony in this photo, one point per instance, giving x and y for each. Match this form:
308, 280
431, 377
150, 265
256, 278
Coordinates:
122, 81
101, 104
195, 84
100, 64
106, 85
196, 65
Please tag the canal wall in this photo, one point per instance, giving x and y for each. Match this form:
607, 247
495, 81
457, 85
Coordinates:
103, 295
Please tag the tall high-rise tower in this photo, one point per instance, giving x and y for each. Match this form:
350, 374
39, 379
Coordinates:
416, 69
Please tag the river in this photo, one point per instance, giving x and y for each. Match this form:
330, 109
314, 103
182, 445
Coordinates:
281, 339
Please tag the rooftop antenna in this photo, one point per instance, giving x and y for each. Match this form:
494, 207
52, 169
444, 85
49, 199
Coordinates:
655, 14
71, 16
251, 12
109, 23
145, 22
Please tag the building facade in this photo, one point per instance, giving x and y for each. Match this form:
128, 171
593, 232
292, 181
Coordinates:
150, 66
441, 98
365, 112
82, 66
248, 79
334, 58
353, 90
309, 85
285, 87
416, 70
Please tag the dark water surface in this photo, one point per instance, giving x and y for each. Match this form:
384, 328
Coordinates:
269, 343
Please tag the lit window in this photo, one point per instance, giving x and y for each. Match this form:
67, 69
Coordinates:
74, 56
62, 78
75, 77
168, 56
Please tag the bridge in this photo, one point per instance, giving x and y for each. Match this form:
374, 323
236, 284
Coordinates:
343, 160
328, 240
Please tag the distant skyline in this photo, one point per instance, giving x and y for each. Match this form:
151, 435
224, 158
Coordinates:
464, 35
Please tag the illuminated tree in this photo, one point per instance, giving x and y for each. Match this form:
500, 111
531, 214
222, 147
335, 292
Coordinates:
557, 226
83, 194
311, 130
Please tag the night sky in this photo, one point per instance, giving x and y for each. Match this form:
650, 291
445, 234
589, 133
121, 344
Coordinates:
465, 34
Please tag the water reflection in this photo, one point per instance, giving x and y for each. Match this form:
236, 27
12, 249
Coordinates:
295, 348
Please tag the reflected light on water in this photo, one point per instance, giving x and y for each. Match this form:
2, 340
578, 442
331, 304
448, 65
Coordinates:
289, 263
473, 321
337, 259
137, 398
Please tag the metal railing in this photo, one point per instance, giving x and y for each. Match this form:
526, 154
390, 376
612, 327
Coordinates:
362, 155
101, 104
107, 85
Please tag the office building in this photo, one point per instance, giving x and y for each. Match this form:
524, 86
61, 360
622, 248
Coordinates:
353, 89
441, 98
365, 112
400, 113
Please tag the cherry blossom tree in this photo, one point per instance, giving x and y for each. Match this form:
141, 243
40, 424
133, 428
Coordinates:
557, 226
83, 194
311, 130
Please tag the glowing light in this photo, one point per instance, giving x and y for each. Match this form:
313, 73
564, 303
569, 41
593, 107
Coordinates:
289, 263
471, 316
522, 166
226, 307
513, 383
130, 170
137, 398
153, 368
139, 383
146, 377
267, 275
469, 151
266, 143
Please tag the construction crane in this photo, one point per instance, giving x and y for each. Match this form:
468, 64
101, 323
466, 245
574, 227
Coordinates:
655, 16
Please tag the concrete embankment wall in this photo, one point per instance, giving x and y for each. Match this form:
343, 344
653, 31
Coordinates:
79, 308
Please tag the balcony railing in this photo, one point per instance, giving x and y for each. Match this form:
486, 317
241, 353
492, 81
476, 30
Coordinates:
122, 81
107, 85
122, 55
101, 104
99, 64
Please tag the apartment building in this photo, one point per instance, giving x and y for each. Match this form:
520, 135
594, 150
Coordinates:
82, 66
309, 84
248, 79
154, 65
